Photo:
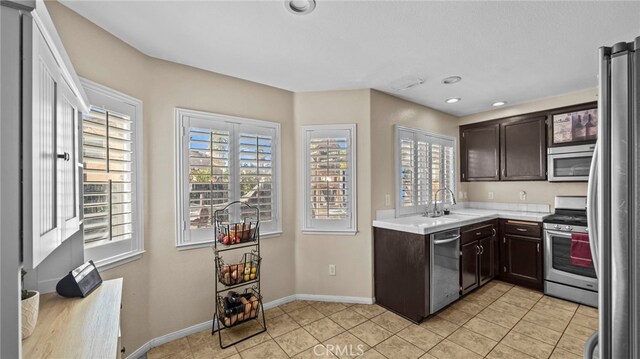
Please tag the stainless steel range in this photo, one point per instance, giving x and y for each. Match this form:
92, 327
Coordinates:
563, 279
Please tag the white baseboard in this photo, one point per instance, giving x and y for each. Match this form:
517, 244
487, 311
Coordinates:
334, 298
138, 353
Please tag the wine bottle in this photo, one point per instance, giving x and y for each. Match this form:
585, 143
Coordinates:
579, 131
591, 127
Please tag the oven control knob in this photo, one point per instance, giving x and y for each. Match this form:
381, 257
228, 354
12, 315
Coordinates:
556, 227
568, 228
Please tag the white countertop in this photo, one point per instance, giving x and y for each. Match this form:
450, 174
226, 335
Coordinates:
458, 218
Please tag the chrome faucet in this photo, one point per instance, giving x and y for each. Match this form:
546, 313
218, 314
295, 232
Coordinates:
437, 213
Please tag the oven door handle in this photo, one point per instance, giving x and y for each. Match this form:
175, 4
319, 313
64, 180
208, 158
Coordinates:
592, 205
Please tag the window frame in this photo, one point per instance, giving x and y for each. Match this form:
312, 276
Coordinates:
419, 208
181, 189
338, 227
114, 253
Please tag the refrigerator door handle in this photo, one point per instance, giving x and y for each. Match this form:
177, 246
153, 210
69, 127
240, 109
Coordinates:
592, 209
590, 346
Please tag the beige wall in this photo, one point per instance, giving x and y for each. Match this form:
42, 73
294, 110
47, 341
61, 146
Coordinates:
387, 111
351, 254
168, 289
537, 191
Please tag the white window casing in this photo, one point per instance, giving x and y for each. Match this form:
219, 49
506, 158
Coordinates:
112, 177
425, 162
329, 179
221, 159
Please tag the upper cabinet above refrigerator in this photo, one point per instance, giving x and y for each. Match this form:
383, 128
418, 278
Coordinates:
574, 125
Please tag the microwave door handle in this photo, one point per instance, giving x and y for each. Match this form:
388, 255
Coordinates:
592, 206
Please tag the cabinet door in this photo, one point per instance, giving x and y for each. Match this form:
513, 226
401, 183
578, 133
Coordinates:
486, 265
469, 266
523, 260
523, 149
480, 147
41, 155
67, 143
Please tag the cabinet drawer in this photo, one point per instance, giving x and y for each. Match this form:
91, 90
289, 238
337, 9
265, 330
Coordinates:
476, 233
520, 228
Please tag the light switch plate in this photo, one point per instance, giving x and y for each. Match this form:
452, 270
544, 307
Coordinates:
490, 195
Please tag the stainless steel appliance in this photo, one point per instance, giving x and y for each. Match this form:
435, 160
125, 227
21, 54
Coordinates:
613, 209
570, 163
562, 278
444, 269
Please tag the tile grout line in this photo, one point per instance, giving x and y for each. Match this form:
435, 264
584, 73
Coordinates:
522, 318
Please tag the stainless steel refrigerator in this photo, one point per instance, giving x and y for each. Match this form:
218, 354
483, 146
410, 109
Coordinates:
613, 204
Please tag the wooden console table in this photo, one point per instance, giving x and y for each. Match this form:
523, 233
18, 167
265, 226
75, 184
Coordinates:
78, 327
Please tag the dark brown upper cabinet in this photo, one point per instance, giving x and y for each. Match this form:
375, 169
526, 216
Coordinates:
523, 149
480, 152
508, 149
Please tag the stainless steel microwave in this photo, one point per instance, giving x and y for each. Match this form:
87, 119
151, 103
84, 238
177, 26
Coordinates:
569, 163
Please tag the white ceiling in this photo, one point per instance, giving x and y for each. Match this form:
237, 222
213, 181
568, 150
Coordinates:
514, 51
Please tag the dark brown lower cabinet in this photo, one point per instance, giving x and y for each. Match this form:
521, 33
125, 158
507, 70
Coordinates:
522, 255
469, 266
401, 272
478, 255
486, 263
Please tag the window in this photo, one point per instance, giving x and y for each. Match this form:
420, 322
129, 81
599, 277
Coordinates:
221, 159
329, 203
112, 177
425, 163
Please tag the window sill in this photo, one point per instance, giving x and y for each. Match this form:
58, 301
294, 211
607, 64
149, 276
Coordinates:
329, 232
109, 263
208, 244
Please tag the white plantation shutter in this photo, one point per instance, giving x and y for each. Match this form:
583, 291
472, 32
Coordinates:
222, 159
407, 170
256, 151
209, 174
112, 177
329, 178
108, 155
425, 163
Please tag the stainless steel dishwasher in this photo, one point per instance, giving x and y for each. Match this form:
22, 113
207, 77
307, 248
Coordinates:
444, 269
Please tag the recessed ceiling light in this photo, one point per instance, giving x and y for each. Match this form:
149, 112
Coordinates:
406, 83
451, 80
499, 103
452, 100
300, 7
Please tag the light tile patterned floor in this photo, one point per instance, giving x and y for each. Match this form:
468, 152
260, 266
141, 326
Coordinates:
497, 321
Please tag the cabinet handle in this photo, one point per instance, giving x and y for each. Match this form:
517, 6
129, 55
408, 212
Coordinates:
538, 247
481, 249
478, 233
64, 156
521, 229
494, 231
477, 250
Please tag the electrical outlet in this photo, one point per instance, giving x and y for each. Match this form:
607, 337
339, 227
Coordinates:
523, 195
332, 269
387, 199
490, 195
